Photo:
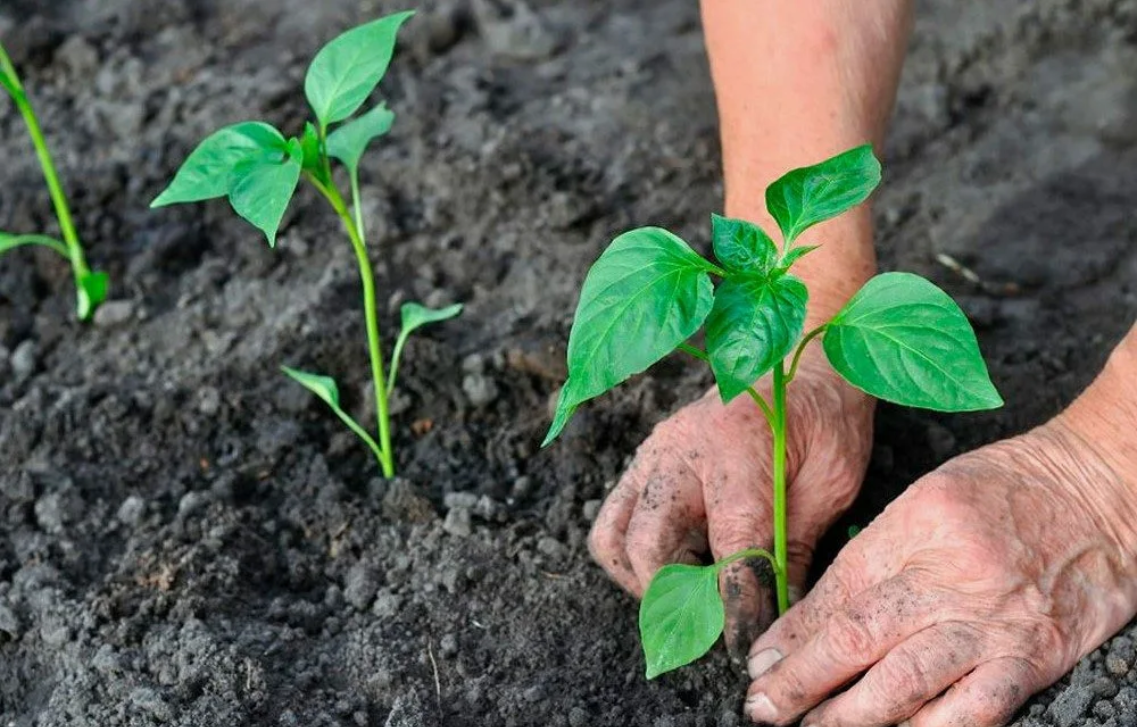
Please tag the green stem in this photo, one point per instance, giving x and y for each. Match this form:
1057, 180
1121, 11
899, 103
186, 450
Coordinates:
58, 198
691, 350
761, 402
387, 460
748, 553
11, 242
781, 559
801, 349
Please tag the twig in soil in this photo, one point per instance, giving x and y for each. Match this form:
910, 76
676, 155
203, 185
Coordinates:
437, 681
972, 277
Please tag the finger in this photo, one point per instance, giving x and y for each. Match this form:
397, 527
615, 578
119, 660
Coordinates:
987, 697
607, 539
740, 517
852, 640
844, 579
667, 524
909, 676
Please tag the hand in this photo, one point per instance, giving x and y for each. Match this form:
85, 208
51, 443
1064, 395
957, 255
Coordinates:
982, 584
703, 478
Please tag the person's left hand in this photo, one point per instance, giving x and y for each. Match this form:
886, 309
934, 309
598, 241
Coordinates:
982, 584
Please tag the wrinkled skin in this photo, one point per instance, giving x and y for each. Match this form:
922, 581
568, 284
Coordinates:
702, 480
982, 584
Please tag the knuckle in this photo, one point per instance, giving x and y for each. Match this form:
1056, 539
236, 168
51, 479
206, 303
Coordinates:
904, 680
849, 638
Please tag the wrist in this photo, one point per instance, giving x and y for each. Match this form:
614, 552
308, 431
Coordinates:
1103, 423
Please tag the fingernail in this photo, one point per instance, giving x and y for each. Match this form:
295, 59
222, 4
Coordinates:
761, 662
760, 708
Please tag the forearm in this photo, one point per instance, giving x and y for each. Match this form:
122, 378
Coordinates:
797, 83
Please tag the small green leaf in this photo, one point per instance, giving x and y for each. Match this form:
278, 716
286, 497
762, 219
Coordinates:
8, 84
415, 316
208, 171
803, 197
754, 324
644, 296
794, 254
91, 291
310, 146
325, 388
322, 386
902, 339
262, 190
741, 246
567, 404
681, 616
346, 70
348, 142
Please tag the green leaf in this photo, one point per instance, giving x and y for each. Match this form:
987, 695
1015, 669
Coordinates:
346, 70
681, 616
91, 291
263, 188
348, 142
803, 197
8, 84
794, 254
741, 246
208, 171
646, 294
902, 339
755, 322
416, 316
325, 388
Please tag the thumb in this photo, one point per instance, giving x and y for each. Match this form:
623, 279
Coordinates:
739, 517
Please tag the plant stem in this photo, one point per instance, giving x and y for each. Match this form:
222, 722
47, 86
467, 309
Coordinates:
58, 198
779, 430
11, 242
801, 349
748, 553
374, 345
692, 351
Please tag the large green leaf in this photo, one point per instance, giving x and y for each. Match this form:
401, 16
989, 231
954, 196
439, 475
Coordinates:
208, 171
346, 70
755, 322
348, 142
646, 294
803, 197
741, 246
262, 189
681, 616
902, 339
415, 316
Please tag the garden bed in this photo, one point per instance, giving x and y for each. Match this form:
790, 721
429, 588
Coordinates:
188, 538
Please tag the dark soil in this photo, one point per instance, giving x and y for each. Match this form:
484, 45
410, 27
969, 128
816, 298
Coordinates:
190, 539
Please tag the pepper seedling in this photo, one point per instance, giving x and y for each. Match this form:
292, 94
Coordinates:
900, 338
90, 286
258, 169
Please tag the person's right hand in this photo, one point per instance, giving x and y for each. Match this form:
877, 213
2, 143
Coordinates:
704, 478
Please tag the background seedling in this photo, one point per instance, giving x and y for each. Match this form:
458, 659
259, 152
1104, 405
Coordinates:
90, 286
258, 169
900, 338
